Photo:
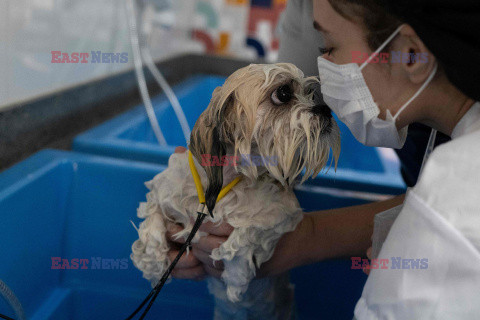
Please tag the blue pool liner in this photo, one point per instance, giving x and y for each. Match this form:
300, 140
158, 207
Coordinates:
67, 205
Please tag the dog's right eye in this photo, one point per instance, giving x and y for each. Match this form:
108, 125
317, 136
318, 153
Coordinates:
282, 95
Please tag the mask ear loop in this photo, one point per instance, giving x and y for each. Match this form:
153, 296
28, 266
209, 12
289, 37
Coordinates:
373, 55
424, 85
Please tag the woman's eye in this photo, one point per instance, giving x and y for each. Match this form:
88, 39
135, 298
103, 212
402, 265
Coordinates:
282, 95
324, 50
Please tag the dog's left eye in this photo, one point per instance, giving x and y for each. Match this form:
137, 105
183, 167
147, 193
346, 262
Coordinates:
282, 95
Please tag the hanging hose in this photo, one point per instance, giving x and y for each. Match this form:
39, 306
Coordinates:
142, 52
142, 84
12, 300
145, 33
168, 91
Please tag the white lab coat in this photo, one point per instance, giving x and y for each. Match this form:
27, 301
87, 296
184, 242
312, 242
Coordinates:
439, 221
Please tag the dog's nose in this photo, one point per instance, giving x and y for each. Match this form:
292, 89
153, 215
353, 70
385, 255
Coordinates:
322, 110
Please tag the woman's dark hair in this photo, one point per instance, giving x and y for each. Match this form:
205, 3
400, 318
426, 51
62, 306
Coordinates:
449, 29
379, 24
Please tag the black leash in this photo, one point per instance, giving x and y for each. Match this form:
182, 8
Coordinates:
155, 291
5, 317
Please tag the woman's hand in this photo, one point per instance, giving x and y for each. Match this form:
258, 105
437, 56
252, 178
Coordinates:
291, 251
198, 263
188, 266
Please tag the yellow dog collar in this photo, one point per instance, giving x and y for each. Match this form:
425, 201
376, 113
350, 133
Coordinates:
198, 184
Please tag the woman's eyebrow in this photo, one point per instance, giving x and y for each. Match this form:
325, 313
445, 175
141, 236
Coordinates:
318, 27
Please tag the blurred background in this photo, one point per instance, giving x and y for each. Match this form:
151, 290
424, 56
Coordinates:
31, 29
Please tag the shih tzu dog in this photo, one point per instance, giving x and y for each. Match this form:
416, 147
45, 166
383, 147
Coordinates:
266, 112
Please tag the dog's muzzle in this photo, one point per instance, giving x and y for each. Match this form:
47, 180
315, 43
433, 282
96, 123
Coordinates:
322, 110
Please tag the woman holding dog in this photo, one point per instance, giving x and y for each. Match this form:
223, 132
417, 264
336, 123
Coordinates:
439, 218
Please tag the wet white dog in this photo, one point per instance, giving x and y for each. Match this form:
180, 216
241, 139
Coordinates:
266, 118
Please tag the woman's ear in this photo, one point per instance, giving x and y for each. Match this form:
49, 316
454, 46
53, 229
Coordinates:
415, 58
207, 141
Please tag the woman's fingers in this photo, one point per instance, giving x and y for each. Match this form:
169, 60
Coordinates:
180, 149
205, 258
188, 266
195, 273
209, 242
205, 244
198, 263
185, 261
212, 268
173, 228
224, 229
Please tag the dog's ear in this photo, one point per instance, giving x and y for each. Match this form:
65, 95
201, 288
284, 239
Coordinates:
208, 138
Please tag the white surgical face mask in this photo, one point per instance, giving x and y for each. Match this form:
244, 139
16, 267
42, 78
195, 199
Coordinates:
345, 91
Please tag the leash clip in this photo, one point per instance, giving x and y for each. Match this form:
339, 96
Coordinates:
202, 209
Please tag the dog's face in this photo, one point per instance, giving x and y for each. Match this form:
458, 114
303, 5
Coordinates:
267, 110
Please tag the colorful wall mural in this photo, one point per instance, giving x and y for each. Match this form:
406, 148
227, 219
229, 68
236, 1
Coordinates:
238, 27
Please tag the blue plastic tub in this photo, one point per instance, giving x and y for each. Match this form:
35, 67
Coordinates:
129, 136
63, 205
